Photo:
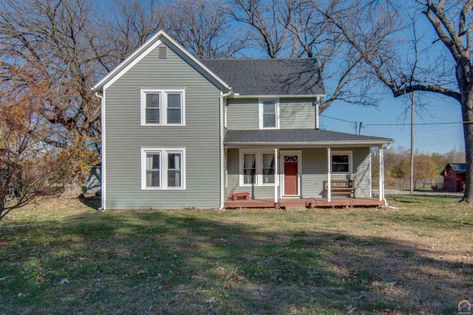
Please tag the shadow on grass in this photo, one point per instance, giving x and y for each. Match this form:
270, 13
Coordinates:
93, 202
173, 262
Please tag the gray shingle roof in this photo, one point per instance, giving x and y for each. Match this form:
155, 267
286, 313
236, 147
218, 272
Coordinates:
269, 76
298, 136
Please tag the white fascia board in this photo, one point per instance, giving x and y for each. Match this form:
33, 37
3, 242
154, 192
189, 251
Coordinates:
236, 95
308, 144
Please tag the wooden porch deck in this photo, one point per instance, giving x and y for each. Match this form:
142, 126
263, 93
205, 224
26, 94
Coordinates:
301, 202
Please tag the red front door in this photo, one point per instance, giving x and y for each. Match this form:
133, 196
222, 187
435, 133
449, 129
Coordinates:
290, 175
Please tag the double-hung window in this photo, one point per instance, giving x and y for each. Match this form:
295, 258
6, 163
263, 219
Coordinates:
153, 167
341, 162
257, 168
249, 168
162, 107
162, 168
268, 168
152, 108
269, 114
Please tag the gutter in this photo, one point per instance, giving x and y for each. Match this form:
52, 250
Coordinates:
324, 143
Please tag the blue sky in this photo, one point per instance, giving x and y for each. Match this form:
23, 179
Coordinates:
428, 138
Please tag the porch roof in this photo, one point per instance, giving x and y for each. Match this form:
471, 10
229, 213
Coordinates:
299, 137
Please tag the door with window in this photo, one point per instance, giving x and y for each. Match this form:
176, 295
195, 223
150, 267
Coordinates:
291, 174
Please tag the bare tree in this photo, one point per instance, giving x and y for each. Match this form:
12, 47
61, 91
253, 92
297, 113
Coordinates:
132, 24
270, 21
442, 65
54, 43
294, 29
205, 28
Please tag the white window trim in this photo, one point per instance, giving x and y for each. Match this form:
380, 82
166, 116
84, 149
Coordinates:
259, 167
163, 106
350, 161
163, 168
261, 112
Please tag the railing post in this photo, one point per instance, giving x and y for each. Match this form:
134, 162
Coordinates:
381, 174
329, 175
276, 175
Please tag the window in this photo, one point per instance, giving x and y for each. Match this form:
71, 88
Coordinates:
257, 167
174, 169
174, 108
152, 169
162, 169
269, 114
152, 108
268, 168
341, 162
249, 168
162, 107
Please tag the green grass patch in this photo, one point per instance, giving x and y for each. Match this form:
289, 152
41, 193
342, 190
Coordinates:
64, 257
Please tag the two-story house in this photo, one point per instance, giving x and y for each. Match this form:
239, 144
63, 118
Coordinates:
178, 132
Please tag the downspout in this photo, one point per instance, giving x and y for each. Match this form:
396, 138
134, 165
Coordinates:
222, 149
317, 113
102, 157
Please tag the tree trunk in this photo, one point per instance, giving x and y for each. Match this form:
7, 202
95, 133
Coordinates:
73, 188
467, 113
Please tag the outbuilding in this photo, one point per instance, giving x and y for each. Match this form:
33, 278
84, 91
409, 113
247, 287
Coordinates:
454, 175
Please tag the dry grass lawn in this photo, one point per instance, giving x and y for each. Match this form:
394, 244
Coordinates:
64, 257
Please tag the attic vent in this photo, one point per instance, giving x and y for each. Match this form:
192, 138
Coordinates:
162, 53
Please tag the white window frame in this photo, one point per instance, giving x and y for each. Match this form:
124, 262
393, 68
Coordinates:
261, 112
350, 161
163, 106
259, 167
163, 168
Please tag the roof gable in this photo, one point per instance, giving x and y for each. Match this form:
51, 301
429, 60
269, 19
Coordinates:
149, 46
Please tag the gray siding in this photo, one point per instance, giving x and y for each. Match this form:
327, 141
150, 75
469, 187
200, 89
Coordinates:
125, 136
314, 173
294, 113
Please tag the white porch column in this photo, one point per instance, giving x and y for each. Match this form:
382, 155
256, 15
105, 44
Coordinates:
329, 175
276, 174
381, 174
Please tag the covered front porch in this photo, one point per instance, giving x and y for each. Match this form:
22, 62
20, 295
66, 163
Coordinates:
315, 174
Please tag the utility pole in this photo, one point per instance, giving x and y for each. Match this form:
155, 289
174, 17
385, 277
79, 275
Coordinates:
412, 146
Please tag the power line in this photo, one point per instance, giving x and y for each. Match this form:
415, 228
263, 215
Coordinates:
417, 124
339, 119
395, 124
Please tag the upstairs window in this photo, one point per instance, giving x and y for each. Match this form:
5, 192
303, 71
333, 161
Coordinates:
269, 114
152, 108
174, 113
341, 162
162, 107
